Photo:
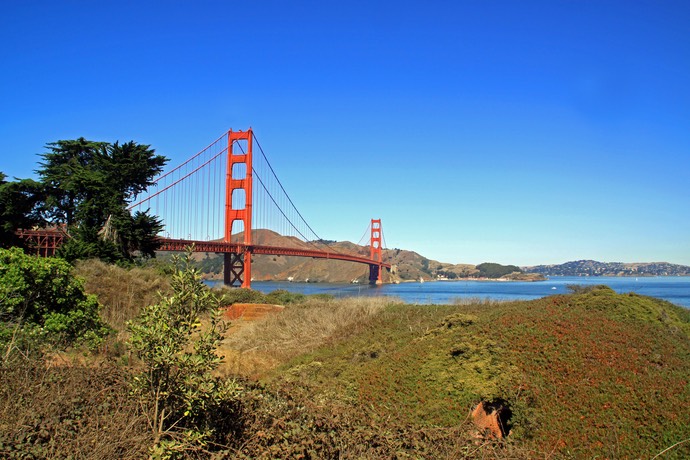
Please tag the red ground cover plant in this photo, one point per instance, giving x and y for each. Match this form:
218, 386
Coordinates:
602, 377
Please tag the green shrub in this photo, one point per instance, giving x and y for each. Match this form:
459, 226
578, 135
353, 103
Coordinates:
584, 288
41, 294
190, 409
283, 297
231, 296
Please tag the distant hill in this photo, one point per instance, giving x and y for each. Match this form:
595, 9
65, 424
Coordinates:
408, 265
595, 268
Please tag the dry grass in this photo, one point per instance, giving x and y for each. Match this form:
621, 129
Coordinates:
258, 346
478, 301
68, 411
122, 292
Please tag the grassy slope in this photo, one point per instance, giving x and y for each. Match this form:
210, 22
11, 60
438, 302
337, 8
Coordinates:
603, 374
595, 374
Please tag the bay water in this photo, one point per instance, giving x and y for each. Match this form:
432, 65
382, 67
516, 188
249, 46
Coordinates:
675, 289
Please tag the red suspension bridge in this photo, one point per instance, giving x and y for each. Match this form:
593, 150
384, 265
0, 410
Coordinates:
220, 199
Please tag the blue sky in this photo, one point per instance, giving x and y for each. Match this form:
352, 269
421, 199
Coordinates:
515, 132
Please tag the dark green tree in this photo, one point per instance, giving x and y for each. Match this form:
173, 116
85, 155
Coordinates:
71, 178
20, 207
177, 341
88, 186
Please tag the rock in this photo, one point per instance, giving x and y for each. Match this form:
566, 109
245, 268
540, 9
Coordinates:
492, 419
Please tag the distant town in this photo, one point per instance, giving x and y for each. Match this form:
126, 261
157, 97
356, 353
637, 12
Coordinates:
595, 268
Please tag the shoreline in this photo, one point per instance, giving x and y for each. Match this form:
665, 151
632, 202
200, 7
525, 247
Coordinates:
467, 279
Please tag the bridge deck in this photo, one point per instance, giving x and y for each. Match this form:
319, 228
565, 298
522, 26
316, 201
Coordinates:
221, 247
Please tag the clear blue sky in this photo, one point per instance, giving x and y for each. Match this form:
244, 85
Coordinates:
519, 132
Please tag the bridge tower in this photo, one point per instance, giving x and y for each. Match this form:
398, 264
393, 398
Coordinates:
237, 266
375, 253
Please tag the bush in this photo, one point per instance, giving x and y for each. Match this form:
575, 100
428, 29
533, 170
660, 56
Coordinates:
41, 294
241, 295
190, 410
585, 288
231, 296
283, 297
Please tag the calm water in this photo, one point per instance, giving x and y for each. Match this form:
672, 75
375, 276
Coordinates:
674, 289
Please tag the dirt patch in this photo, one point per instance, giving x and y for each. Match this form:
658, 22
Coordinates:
250, 311
492, 419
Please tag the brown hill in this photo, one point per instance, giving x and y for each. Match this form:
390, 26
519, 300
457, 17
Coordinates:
407, 265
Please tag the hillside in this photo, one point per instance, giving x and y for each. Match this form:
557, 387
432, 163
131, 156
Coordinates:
592, 374
589, 375
595, 268
408, 265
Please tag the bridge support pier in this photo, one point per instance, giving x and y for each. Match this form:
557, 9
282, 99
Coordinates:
375, 274
237, 271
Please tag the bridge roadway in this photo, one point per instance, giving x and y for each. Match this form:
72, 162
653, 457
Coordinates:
169, 244
48, 240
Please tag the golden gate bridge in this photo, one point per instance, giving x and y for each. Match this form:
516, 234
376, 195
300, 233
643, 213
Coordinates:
219, 200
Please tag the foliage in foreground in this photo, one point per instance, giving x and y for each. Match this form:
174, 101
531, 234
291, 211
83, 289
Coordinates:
323, 404
593, 374
68, 411
189, 409
41, 298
